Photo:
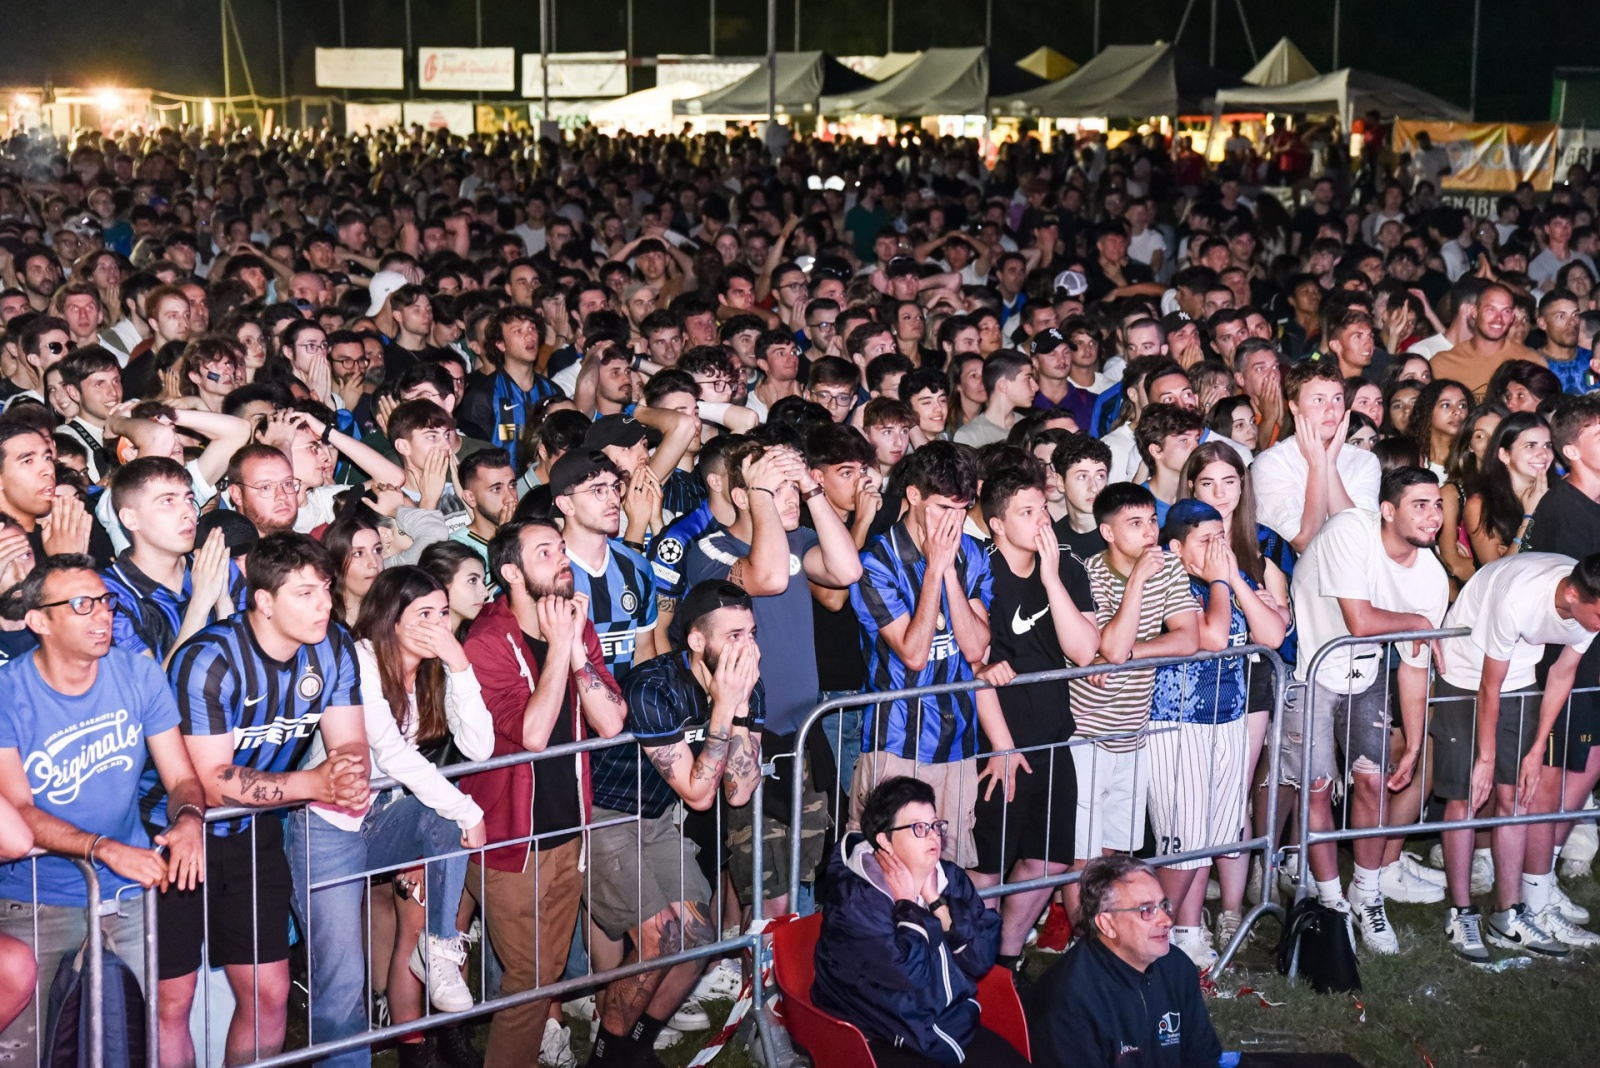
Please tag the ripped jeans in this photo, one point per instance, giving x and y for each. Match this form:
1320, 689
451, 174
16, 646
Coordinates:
1358, 723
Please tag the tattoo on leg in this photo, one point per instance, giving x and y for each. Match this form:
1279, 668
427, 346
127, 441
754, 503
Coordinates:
698, 930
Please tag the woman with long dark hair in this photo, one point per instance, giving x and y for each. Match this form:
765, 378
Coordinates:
1514, 477
967, 395
354, 542
1436, 419
1461, 476
460, 570
419, 693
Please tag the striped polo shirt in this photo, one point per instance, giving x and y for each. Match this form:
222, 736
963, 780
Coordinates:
934, 730
622, 602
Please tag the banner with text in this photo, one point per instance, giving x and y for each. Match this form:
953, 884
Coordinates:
575, 75
432, 115
361, 68
358, 118
1487, 157
472, 70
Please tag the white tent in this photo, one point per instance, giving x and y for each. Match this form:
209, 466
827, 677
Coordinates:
646, 110
1347, 93
1281, 66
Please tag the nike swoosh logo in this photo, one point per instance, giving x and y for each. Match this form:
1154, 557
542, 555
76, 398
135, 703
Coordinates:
1023, 626
254, 700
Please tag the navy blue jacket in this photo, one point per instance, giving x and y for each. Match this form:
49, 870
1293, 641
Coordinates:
1092, 1010
890, 968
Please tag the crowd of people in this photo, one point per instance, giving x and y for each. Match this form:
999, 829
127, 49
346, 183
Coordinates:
329, 459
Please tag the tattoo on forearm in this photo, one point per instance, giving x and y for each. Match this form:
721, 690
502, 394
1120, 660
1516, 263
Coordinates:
664, 760
712, 759
247, 786
589, 681
744, 759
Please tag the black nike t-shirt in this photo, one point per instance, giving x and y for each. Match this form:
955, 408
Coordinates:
1022, 633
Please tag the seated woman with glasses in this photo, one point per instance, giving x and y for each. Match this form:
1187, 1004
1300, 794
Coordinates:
905, 938
1120, 996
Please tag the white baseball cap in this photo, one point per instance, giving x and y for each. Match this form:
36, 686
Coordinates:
1073, 283
382, 287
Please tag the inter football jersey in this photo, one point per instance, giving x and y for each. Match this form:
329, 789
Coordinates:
622, 602
226, 683
668, 551
149, 615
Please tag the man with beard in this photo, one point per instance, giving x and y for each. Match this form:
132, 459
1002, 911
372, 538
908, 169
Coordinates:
1558, 318
544, 679
39, 274
263, 489
1475, 360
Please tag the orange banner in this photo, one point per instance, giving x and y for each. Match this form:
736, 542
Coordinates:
1487, 157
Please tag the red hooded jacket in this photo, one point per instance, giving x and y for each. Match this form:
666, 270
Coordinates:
508, 672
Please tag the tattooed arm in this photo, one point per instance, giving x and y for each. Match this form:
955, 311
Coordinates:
743, 773
341, 779
694, 777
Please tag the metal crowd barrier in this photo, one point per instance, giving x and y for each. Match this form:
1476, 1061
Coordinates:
1265, 843
1423, 770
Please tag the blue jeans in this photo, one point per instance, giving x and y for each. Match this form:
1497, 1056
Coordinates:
392, 835
842, 728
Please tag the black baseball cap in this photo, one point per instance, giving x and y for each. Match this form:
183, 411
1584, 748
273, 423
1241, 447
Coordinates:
238, 533
1172, 322
578, 466
1047, 341
621, 430
706, 597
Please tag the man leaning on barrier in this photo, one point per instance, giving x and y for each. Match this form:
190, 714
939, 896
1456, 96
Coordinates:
1120, 995
79, 722
697, 713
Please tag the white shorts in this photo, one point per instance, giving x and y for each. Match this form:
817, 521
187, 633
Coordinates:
1112, 788
1197, 787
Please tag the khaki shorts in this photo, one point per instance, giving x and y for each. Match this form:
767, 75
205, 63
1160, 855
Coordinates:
814, 824
639, 869
955, 791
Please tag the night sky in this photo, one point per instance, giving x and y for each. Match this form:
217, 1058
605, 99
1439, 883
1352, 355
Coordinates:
176, 44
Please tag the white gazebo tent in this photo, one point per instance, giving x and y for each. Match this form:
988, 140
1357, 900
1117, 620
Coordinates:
1346, 93
1281, 66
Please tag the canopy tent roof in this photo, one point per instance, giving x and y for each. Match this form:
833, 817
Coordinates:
1345, 92
1284, 64
1047, 63
943, 81
1125, 80
802, 77
892, 63
648, 109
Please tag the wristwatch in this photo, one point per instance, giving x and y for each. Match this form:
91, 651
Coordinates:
742, 721
937, 903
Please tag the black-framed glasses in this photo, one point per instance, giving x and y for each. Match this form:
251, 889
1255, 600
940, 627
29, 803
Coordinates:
1147, 911
921, 828
84, 604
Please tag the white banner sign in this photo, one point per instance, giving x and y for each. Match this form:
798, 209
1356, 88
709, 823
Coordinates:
361, 68
457, 118
359, 117
575, 81
706, 73
467, 69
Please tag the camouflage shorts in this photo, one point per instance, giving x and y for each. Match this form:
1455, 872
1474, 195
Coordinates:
775, 847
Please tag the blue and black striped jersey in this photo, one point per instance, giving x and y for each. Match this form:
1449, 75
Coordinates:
622, 602
148, 614
667, 552
496, 409
226, 683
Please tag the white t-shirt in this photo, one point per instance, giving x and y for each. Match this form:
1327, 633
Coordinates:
1510, 606
1429, 347
318, 508
1144, 247
1347, 559
1280, 475
1124, 454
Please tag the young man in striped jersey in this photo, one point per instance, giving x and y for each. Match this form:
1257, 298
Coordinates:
588, 491
252, 692
922, 601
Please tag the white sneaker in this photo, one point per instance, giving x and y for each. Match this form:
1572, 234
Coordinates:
1213, 890
1464, 932
1398, 884
690, 1016
555, 1048
1482, 872
442, 973
722, 982
1516, 928
1196, 943
670, 1036
579, 1008
1418, 870
1555, 923
1227, 926
1372, 920
1436, 856
1570, 909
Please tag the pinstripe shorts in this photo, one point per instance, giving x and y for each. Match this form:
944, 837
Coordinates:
1197, 787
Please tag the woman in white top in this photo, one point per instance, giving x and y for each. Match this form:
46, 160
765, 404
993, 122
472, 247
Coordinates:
419, 693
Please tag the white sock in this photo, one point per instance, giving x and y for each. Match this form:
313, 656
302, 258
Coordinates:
1365, 883
1486, 852
1536, 891
1329, 892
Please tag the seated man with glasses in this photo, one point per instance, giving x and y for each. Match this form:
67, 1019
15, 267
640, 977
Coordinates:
919, 920
1120, 996
834, 383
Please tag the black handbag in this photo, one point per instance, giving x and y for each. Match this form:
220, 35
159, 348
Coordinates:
1319, 946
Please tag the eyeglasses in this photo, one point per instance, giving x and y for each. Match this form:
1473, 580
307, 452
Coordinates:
922, 829
287, 488
312, 346
348, 361
85, 604
833, 400
826, 324
1147, 912
600, 490
716, 385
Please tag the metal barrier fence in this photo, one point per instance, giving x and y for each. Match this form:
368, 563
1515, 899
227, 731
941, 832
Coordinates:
1264, 842
1425, 772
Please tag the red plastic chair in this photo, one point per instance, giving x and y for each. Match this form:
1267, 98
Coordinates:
837, 1044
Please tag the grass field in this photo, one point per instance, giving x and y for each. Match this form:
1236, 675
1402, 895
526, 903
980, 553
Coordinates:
1422, 1009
